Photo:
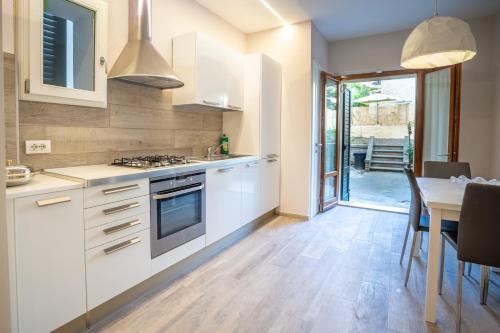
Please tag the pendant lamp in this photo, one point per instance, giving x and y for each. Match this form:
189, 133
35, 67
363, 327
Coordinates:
438, 41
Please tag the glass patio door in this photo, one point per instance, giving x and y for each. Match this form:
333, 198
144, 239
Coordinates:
329, 141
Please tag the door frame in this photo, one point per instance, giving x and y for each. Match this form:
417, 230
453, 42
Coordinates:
331, 203
455, 98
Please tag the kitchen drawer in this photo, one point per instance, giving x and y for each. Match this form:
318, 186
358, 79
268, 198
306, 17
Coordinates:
117, 229
96, 216
103, 194
111, 271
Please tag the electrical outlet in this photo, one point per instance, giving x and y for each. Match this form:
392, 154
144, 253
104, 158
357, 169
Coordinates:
38, 146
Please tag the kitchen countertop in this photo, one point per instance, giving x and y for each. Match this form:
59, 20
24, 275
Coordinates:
41, 184
94, 175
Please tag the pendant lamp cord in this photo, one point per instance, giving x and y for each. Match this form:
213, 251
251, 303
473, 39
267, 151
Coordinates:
436, 9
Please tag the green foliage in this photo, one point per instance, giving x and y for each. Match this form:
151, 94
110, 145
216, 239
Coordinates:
359, 91
410, 151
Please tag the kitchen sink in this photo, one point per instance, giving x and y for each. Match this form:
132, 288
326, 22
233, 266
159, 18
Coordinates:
217, 157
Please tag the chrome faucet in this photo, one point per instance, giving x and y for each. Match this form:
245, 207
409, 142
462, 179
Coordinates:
211, 151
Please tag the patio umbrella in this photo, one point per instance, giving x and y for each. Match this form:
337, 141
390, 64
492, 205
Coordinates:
377, 98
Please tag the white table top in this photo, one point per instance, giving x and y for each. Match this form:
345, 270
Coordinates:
441, 193
41, 184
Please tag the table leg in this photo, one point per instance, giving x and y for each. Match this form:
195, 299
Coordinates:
416, 250
433, 265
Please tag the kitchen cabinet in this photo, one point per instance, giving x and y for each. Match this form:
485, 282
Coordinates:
223, 201
116, 266
50, 262
270, 192
252, 178
212, 73
61, 46
257, 131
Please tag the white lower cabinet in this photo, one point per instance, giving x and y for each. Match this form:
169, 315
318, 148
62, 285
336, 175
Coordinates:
252, 184
116, 266
223, 201
271, 184
50, 261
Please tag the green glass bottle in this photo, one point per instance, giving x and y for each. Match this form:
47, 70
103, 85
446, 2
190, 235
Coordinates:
224, 140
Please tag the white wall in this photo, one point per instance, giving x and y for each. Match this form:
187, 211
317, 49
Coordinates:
383, 52
291, 46
495, 158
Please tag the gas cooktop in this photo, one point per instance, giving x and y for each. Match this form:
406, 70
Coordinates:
156, 161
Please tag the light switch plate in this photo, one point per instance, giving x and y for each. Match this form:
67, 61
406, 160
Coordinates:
38, 147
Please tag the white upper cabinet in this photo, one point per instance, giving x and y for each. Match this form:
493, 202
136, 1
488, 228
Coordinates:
257, 131
61, 45
212, 73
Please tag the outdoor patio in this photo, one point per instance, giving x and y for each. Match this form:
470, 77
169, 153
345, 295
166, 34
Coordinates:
379, 188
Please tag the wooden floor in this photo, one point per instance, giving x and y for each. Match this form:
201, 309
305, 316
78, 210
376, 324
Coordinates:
336, 273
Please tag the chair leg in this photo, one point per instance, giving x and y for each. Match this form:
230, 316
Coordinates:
404, 243
469, 271
458, 314
441, 267
485, 280
410, 258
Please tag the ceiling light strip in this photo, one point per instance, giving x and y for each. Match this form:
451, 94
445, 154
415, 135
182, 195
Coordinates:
275, 13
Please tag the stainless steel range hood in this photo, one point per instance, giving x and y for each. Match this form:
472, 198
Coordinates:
140, 63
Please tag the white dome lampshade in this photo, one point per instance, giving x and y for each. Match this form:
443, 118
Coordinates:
438, 41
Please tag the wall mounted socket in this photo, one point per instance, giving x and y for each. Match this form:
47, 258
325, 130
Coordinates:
38, 146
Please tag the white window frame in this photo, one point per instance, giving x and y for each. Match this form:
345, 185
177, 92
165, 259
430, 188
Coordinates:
29, 50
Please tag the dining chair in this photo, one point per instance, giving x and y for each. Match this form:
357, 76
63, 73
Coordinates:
478, 236
419, 222
434, 169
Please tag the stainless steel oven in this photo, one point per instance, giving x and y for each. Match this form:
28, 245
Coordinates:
177, 210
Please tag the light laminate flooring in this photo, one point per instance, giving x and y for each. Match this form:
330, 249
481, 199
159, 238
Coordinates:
338, 272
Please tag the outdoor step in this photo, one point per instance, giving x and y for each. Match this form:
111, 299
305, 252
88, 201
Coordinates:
387, 145
376, 161
399, 156
384, 168
375, 150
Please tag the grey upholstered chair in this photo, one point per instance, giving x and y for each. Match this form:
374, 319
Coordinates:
419, 222
478, 236
433, 169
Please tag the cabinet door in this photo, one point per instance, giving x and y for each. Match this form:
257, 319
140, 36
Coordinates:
50, 260
211, 74
270, 120
251, 187
234, 83
271, 184
223, 193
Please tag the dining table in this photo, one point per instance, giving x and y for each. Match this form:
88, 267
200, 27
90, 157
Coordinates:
443, 199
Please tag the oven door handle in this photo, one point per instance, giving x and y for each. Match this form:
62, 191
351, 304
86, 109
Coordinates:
173, 194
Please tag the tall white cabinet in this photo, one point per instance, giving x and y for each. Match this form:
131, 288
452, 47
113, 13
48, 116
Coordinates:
257, 130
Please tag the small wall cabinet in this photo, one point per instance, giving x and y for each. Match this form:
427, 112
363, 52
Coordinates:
61, 45
212, 73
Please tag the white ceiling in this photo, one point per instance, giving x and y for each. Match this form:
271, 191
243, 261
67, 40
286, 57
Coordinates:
344, 19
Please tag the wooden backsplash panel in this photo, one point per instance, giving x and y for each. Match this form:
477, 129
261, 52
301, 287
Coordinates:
10, 107
138, 121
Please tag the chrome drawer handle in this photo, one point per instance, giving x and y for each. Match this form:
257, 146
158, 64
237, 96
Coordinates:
121, 189
234, 107
272, 160
121, 246
251, 165
53, 201
121, 227
210, 102
176, 193
122, 208
226, 169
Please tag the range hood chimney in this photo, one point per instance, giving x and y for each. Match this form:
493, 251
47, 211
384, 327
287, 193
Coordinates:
139, 62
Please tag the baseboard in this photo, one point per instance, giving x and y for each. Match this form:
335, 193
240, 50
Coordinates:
294, 216
139, 293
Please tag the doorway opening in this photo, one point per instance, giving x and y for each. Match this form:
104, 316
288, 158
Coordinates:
381, 140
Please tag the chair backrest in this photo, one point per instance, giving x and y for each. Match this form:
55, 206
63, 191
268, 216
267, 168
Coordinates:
416, 199
479, 226
434, 169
